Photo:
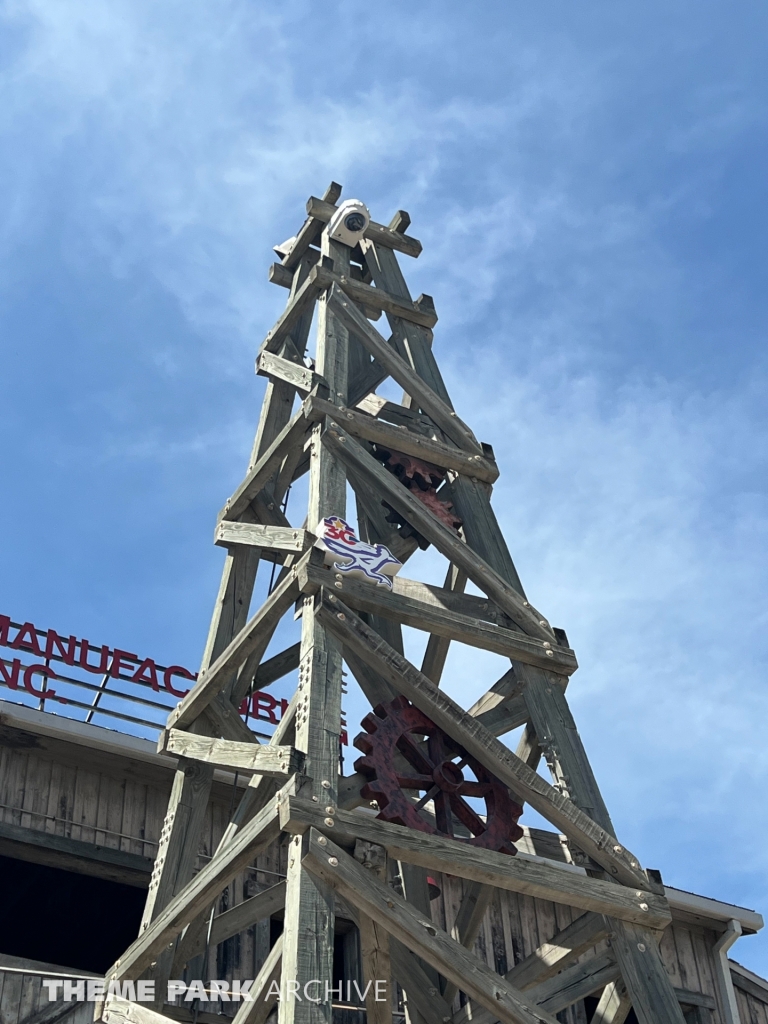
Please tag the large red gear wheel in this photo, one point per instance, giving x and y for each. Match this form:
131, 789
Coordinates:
435, 768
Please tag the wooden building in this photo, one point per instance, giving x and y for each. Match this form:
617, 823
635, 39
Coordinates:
210, 855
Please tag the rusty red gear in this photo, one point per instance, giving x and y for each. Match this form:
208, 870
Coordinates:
436, 768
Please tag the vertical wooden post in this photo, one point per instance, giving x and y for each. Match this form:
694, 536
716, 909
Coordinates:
309, 909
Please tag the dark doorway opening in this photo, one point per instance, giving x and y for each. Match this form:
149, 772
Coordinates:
60, 917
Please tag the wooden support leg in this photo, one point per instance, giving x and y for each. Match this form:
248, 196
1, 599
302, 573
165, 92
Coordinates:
614, 1005
309, 909
650, 990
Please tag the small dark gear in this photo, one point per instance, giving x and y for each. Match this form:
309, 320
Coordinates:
436, 768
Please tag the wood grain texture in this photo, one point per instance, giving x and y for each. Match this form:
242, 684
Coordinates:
277, 762
399, 370
400, 439
366, 470
274, 538
304, 380
516, 874
397, 917
521, 779
433, 619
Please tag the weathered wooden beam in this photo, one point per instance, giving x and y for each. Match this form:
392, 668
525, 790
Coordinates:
576, 982
596, 841
123, 1011
290, 437
433, 619
378, 298
254, 636
364, 469
469, 920
515, 874
421, 392
277, 762
382, 904
198, 894
275, 668
421, 993
323, 211
310, 230
233, 922
299, 305
296, 374
614, 1005
407, 441
436, 654
545, 962
273, 538
648, 984
258, 1008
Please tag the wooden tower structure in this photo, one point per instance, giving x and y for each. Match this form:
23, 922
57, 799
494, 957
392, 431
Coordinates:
366, 842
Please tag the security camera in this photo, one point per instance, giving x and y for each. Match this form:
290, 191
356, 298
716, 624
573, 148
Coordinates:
349, 222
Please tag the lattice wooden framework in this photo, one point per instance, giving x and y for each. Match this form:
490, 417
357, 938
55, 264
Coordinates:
339, 854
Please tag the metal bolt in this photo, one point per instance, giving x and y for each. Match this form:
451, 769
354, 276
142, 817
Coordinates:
643, 906
641, 946
390, 904
617, 849
323, 841
334, 862
341, 615
526, 605
331, 810
325, 784
550, 654
543, 622
329, 822
338, 583
315, 799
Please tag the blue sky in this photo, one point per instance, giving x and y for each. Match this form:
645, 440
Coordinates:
589, 184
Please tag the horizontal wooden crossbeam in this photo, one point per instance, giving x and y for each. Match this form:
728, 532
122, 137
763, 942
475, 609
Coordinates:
277, 762
364, 469
272, 538
296, 374
356, 885
323, 211
595, 841
515, 874
399, 439
432, 619
576, 982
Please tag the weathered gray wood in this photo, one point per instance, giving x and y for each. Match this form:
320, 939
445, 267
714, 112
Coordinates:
422, 393
481, 528
648, 984
596, 841
177, 851
433, 619
277, 762
369, 501
421, 992
257, 1009
253, 637
614, 1005
122, 1011
233, 922
401, 439
323, 211
503, 707
198, 893
469, 920
297, 375
367, 470
309, 910
576, 983
38, 847
564, 947
515, 874
377, 966
50, 1014
561, 744
275, 668
299, 305
413, 341
290, 437
310, 230
339, 870
274, 538
435, 655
